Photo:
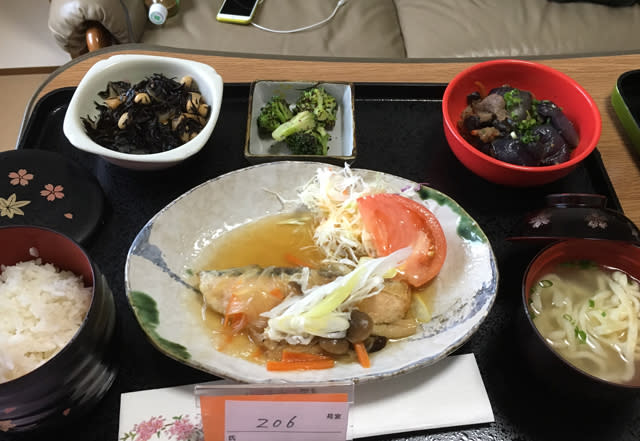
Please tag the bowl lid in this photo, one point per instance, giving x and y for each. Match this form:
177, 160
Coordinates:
576, 215
43, 188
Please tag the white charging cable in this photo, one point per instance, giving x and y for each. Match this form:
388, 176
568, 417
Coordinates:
304, 28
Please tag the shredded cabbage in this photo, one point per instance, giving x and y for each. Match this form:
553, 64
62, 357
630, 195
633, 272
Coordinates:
332, 196
324, 310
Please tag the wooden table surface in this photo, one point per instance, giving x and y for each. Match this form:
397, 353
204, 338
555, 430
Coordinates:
597, 74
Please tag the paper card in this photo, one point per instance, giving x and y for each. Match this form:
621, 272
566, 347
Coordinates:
449, 393
285, 420
275, 412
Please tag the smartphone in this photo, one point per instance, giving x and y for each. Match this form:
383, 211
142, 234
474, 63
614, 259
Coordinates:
237, 11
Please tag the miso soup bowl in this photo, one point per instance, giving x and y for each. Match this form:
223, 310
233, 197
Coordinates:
541, 357
74, 380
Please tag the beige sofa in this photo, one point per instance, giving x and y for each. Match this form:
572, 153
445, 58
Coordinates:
372, 29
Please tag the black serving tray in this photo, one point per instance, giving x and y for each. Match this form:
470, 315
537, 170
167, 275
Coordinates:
398, 131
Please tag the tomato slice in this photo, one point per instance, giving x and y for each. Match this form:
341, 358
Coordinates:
395, 222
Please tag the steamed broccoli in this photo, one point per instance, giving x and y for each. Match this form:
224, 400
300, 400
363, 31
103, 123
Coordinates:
275, 112
299, 123
309, 142
323, 105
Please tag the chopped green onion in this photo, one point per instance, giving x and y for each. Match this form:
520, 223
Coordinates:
512, 98
528, 138
591, 303
545, 283
568, 318
581, 335
527, 124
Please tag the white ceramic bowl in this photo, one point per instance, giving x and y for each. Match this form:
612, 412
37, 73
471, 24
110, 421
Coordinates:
134, 68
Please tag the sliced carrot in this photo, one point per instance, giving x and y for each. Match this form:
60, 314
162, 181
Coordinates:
235, 320
294, 260
363, 356
238, 322
482, 90
277, 293
302, 356
227, 311
300, 365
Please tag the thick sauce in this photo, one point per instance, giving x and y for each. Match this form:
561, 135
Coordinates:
284, 240
265, 242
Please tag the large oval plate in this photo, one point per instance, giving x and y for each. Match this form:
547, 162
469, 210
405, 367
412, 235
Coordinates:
160, 258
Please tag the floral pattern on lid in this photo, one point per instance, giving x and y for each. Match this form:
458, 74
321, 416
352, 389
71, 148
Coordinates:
46, 189
20, 177
11, 207
52, 192
577, 215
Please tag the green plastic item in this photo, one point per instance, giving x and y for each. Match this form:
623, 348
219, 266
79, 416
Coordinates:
625, 98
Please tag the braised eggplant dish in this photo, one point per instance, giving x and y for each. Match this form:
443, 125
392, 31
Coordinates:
511, 125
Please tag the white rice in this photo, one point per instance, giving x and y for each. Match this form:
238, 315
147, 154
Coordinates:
41, 308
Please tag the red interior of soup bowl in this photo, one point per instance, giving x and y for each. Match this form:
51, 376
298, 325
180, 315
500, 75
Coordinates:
542, 357
544, 362
20, 242
62, 390
544, 83
620, 255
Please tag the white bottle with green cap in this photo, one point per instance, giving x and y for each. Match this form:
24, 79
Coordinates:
160, 10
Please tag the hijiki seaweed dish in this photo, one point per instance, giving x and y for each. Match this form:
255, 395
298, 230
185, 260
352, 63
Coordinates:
154, 115
511, 125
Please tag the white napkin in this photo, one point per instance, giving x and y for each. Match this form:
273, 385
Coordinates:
447, 394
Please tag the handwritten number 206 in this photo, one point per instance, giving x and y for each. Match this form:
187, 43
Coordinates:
264, 423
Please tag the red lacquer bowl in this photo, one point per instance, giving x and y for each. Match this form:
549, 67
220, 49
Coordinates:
540, 356
72, 382
544, 83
